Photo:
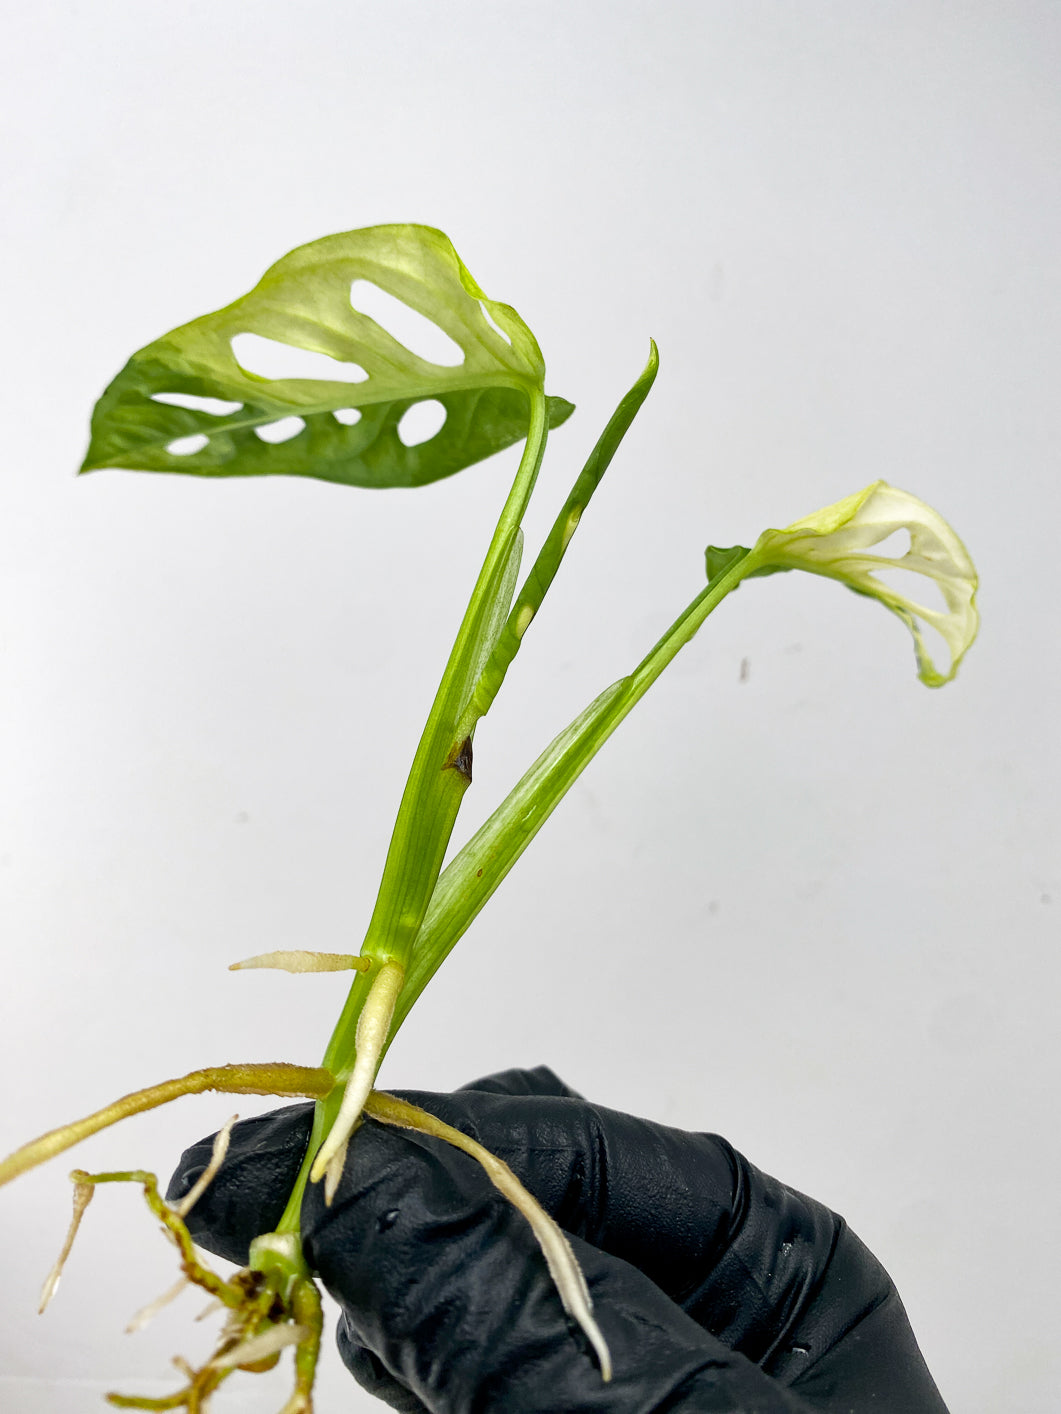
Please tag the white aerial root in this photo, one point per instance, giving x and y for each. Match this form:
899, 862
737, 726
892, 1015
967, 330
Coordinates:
151, 1310
372, 1029
203, 1182
260, 1347
334, 1172
559, 1258
299, 1403
305, 962
82, 1198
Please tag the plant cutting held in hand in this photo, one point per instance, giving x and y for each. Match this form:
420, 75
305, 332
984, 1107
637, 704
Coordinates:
191, 402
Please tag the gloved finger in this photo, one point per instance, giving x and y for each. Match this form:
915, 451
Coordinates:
772, 1273
247, 1196
540, 1080
447, 1301
263, 1162
250, 1191
784, 1281
733, 1245
372, 1375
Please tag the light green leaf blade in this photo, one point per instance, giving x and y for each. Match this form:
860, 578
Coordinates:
304, 301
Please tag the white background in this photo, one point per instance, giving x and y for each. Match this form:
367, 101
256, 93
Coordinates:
815, 909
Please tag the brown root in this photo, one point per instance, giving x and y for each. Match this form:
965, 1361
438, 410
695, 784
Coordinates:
275, 1078
265, 1315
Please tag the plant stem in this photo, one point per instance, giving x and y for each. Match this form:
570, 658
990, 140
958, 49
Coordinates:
535, 587
441, 769
438, 778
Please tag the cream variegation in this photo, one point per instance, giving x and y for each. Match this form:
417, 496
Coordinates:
837, 542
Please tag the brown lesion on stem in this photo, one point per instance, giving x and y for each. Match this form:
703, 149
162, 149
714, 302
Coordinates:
460, 760
270, 1078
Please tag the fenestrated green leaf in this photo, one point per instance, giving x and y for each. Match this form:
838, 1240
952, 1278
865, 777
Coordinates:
304, 300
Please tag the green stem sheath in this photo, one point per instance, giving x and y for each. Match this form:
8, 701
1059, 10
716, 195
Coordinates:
440, 774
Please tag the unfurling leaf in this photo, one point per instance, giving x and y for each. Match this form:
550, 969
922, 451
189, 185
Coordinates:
187, 403
835, 541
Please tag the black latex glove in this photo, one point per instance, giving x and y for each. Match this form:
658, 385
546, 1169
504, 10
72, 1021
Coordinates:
716, 1287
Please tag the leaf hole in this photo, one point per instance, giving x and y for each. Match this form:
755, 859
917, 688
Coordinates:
421, 422
936, 646
188, 446
349, 417
413, 330
269, 358
920, 590
895, 545
493, 323
217, 407
282, 430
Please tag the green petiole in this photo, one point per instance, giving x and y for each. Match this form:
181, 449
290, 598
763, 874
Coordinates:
479, 868
534, 589
441, 769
